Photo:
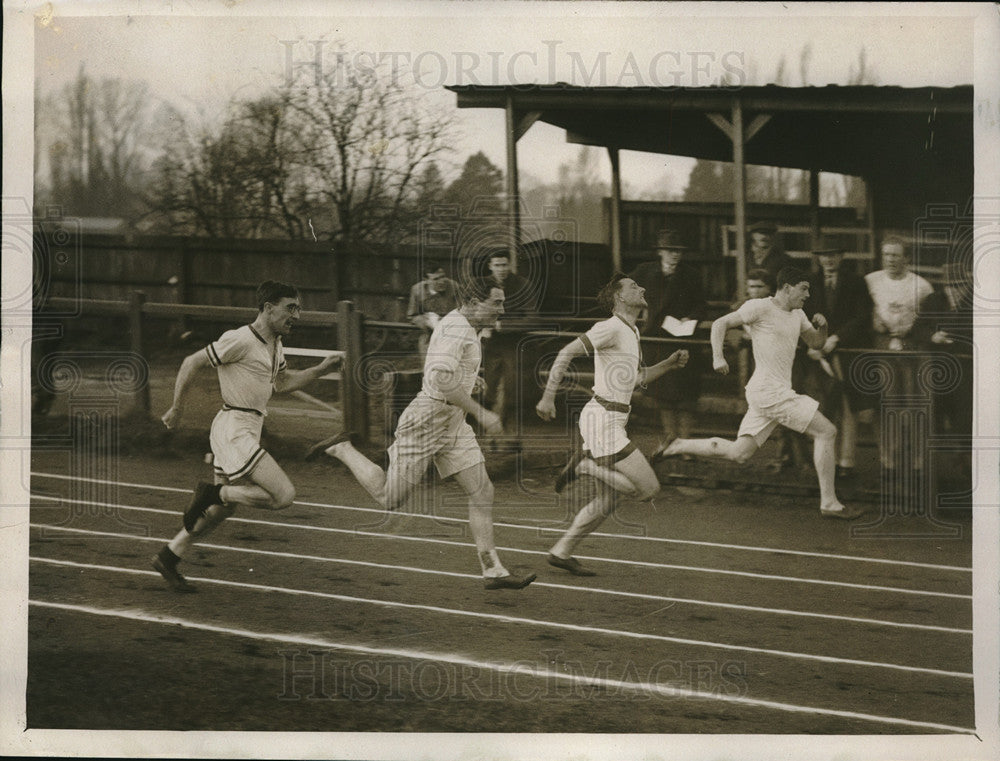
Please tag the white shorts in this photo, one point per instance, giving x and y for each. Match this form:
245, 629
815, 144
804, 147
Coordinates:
432, 430
235, 439
795, 411
603, 431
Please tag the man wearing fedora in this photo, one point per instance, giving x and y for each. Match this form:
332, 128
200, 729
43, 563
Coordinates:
673, 289
839, 293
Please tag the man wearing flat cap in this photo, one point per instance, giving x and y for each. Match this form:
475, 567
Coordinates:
672, 290
839, 293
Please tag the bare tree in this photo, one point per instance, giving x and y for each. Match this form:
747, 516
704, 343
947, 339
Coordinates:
95, 137
339, 156
363, 138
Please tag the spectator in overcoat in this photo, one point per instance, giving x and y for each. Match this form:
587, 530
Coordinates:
673, 290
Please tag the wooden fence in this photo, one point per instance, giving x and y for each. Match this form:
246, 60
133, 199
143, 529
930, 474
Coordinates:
545, 338
347, 320
184, 270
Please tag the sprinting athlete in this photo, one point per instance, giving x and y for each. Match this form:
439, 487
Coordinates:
433, 427
608, 455
251, 367
775, 325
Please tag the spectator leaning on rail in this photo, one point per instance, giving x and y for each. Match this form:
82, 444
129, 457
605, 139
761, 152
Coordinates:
673, 290
430, 300
839, 293
899, 298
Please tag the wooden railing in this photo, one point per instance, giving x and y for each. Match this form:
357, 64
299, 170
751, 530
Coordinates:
351, 328
346, 319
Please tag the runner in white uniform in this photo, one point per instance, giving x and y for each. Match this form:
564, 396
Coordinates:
433, 427
251, 367
608, 455
775, 325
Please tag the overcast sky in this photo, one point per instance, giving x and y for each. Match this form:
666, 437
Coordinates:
198, 62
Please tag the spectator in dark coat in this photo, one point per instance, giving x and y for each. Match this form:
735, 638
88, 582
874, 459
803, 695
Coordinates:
839, 293
952, 310
501, 342
764, 252
672, 290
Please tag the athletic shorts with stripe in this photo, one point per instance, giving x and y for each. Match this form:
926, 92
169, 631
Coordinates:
235, 440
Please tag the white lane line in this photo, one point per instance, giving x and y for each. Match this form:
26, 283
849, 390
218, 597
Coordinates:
570, 587
617, 561
527, 621
519, 667
665, 540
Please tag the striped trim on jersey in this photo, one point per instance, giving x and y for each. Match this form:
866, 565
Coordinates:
212, 356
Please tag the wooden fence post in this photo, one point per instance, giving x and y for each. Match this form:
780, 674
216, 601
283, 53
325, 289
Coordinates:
350, 337
135, 304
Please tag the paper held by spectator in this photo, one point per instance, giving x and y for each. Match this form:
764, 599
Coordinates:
677, 327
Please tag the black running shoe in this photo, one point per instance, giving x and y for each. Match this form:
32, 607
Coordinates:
661, 453
570, 564
174, 578
320, 447
509, 581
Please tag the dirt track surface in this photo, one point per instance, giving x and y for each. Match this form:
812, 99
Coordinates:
713, 612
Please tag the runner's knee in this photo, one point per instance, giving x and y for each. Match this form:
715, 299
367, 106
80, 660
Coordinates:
824, 429
283, 497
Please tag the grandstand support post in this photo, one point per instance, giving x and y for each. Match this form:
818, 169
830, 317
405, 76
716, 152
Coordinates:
135, 304
870, 220
739, 197
354, 395
616, 209
513, 199
815, 226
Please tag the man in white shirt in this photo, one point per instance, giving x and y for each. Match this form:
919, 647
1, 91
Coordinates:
251, 367
608, 455
898, 297
433, 428
775, 325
